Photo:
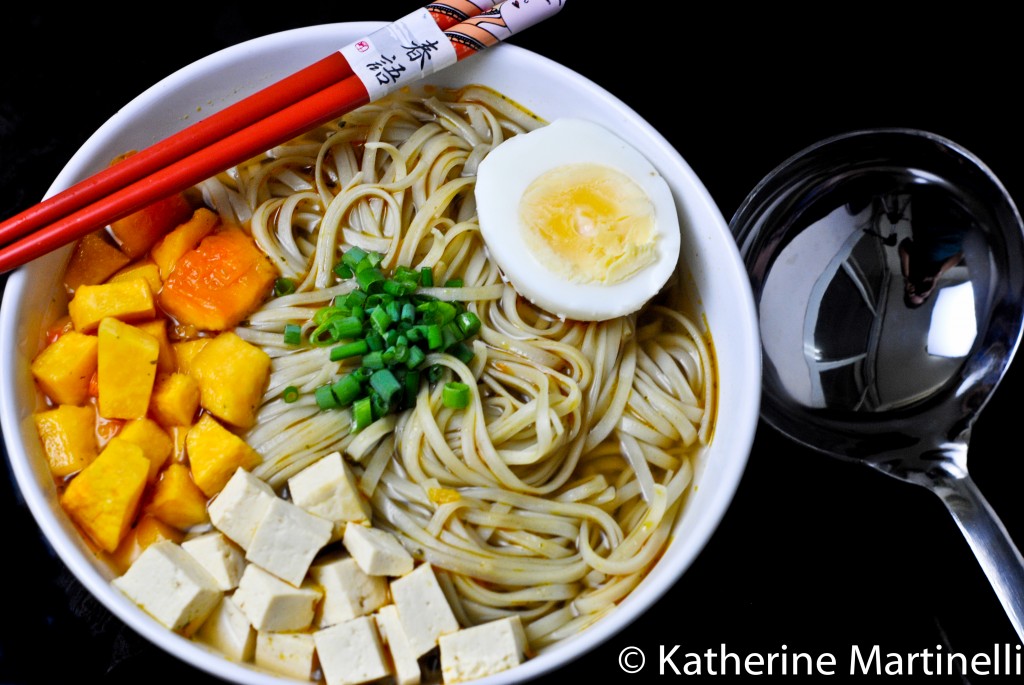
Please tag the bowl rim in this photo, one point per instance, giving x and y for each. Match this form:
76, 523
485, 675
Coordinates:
744, 404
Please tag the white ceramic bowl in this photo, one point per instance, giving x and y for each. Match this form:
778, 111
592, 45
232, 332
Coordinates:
33, 298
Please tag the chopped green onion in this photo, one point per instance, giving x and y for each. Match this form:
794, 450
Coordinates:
381, 320
462, 352
469, 323
378, 406
450, 335
322, 335
399, 288
347, 390
362, 414
412, 386
327, 313
455, 395
284, 286
325, 398
409, 312
390, 329
290, 394
401, 354
356, 348
356, 298
353, 256
416, 357
434, 337
370, 280
385, 383
373, 360
349, 327
375, 341
292, 334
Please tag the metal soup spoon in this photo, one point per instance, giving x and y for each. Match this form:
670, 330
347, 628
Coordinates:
888, 274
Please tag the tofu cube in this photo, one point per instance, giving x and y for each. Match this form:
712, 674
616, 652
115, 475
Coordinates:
423, 609
287, 539
222, 560
289, 654
215, 453
378, 552
407, 667
351, 652
348, 592
272, 604
229, 632
328, 489
168, 584
482, 650
240, 506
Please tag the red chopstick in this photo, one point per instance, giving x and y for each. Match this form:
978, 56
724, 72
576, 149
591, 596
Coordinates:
237, 145
332, 69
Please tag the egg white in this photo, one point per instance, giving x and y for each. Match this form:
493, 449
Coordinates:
503, 177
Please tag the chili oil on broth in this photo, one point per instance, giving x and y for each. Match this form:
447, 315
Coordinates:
554, 492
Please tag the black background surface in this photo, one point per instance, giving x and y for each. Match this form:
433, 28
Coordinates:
814, 554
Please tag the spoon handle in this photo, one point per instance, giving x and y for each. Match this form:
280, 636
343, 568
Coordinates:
999, 557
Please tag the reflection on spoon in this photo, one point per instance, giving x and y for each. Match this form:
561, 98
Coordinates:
888, 272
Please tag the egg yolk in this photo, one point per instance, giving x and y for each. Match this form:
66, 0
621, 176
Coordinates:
589, 222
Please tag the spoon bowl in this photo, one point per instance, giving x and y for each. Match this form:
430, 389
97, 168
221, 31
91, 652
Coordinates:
888, 274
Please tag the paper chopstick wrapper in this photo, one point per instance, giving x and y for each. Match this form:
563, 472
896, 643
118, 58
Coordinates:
415, 46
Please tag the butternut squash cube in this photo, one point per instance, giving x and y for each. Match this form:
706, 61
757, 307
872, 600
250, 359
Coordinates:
177, 500
156, 444
172, 246
64, 368
220, 282
149, 530
157, 328
104, 497
95, 258
68, 434
127, 301
232, 376
147, 271
215, 453
175, 400
186, 351
126, 369
137, 232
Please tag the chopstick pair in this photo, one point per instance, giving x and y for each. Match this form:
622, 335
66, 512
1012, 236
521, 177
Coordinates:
404, 51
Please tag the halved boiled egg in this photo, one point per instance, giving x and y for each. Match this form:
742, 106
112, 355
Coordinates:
578, 220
